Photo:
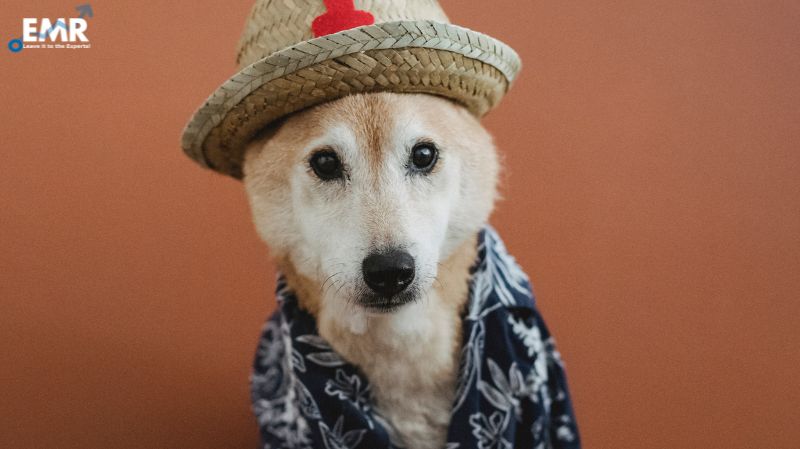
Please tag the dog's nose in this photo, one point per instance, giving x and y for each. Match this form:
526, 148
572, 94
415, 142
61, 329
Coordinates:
388, 273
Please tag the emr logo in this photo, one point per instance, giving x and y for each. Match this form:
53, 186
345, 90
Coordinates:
63, 33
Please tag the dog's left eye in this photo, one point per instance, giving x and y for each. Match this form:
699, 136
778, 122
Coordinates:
326, 165
423, 157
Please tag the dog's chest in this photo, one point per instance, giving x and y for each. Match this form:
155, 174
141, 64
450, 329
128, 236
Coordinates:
410, 360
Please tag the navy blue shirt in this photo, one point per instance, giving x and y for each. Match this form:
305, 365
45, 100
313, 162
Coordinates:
511, 394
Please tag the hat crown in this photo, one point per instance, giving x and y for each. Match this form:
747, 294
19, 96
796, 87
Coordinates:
277, 24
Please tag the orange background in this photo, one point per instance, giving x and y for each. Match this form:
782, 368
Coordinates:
653, 195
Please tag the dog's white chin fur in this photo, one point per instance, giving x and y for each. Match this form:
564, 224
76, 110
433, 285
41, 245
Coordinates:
322, 231
401, 322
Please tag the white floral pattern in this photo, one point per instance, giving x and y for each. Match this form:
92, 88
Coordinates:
512, 392
490, 432
338, 438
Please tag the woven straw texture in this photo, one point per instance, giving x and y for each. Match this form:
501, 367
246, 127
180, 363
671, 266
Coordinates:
277, 24
420, 56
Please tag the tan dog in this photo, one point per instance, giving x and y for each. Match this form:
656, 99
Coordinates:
371, 205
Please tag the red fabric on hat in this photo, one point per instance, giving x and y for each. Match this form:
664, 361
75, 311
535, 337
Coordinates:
341, 15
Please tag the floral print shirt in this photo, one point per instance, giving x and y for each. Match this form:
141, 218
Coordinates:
511, 393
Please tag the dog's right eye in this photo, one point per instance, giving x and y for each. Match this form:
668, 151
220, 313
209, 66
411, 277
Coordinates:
326, 165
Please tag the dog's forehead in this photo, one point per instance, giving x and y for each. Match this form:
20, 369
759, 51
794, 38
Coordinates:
371, 121
378, 124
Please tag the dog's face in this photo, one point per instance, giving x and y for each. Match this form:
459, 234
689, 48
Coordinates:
364, 197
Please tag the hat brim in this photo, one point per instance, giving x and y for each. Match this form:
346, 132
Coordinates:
408, 56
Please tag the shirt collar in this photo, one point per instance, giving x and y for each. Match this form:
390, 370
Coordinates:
495, 268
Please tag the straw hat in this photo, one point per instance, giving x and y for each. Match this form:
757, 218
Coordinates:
294, 54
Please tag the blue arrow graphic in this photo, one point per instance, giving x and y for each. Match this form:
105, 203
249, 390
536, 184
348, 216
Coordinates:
85, 10
58, 24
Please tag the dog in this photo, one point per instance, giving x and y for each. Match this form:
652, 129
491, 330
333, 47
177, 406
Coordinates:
402, 320
371, 204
